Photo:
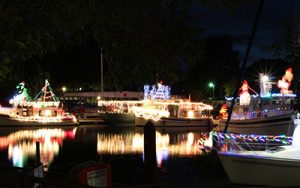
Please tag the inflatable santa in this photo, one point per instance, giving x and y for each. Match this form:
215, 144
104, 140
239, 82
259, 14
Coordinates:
285, 82
244, 94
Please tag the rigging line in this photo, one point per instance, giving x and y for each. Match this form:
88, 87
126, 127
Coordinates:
258, 13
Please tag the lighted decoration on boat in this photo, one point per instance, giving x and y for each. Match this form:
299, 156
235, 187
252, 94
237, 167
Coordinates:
285, 82
269, 139
46, 93
244, 94
22, 95
223, 111
155, 110
157, 92
44, 109
265, 85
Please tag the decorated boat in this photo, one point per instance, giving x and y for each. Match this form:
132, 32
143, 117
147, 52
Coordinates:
174, 113
45, 108
264, 113
117, 112
267, 165
161, 110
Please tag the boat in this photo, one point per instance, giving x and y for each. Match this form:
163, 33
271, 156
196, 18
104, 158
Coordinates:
175, 113
272, 166
265, 113
117, 112
44, 109
122, 112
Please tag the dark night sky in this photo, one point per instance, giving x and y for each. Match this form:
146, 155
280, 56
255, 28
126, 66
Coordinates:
239, 24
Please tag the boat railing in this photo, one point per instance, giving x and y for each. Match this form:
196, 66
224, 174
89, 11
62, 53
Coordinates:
240, 142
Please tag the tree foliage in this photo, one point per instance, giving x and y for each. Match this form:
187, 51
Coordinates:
289, 48
142, 42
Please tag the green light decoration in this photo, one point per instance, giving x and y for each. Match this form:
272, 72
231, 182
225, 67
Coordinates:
22, 91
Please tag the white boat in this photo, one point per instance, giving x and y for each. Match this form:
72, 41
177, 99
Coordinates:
265, 113
173, 113
275, 166
45, 109
274, 116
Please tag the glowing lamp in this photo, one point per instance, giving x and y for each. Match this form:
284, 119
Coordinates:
212, 85
265, 78
64, 89
190, 114
47, 113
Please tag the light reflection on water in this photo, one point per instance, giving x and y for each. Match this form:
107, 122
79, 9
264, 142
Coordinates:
20, 145
167, 145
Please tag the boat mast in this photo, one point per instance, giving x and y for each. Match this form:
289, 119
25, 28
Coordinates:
258, 13
101, 73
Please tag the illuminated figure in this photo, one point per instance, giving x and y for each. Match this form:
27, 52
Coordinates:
22, 90
285, 82
244, 94
223, 111
21, 96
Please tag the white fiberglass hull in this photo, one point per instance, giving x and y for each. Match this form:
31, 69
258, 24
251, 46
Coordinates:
275, 125
263, 168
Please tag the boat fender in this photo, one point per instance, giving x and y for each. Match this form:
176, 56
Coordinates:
82, 116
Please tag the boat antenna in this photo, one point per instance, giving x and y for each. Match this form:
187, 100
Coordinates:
101, 64
241, 77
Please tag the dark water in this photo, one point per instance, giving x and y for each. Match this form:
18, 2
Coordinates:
176, 161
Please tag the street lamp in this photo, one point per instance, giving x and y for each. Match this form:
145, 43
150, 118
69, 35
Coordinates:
64, 89
212, 85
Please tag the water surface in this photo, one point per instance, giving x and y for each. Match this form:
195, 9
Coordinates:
172, 156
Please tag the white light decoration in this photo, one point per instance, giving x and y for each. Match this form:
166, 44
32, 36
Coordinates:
265, 85
155, 110
157, 92
47, 113
190, 114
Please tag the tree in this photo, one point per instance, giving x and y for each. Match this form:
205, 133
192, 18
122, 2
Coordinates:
289, 48
219, 65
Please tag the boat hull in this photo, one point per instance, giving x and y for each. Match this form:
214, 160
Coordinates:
117, 118
254, 170
177, 122
7, 121
264, 126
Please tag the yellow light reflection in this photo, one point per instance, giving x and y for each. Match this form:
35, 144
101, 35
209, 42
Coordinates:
182, 144
22, 145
